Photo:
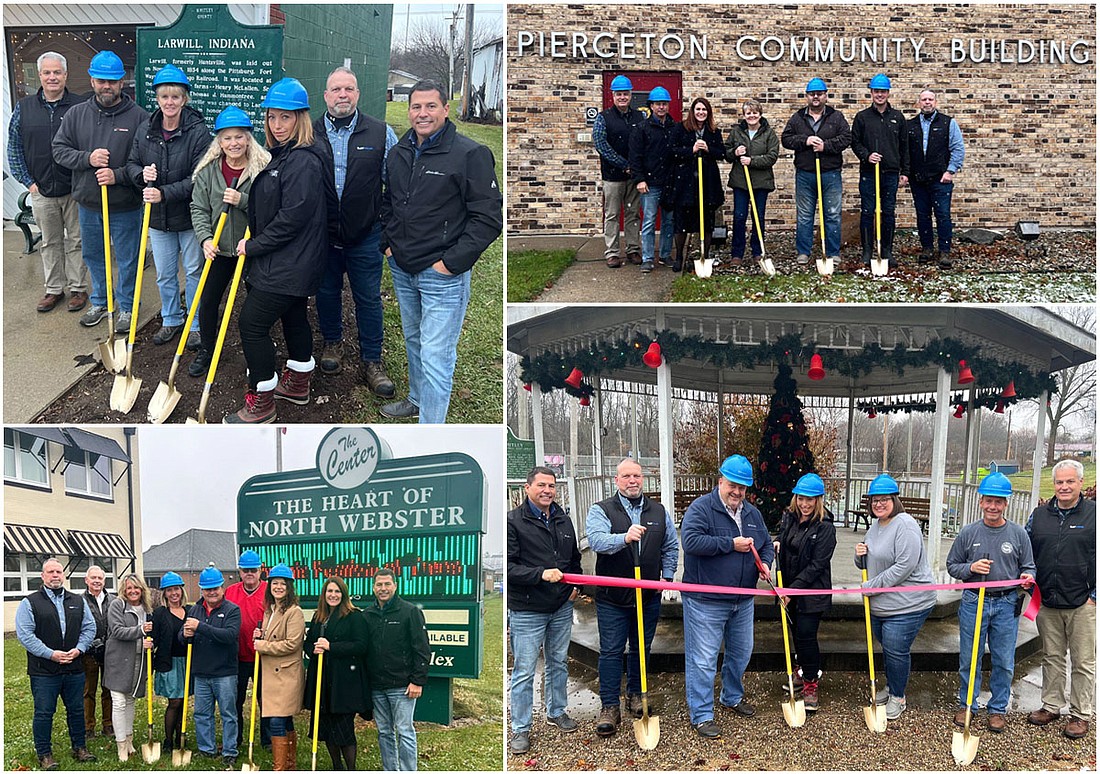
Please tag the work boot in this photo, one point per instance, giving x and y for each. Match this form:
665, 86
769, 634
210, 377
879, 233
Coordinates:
1042, 717
634, 258
809, 695
960, 717
47, 763
259, 409
925, 256
997, 723
634, 704
201, 364
49, 302
400, 409
294, 386
77, 300
608, 722
615, 261
380, 384
332, 358
82, 755
1076, 728
945, 260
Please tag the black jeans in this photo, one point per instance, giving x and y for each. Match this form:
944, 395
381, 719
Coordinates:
217, 280
258, 316
805, 642
244, 675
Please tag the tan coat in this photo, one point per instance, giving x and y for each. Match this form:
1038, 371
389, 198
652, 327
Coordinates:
283, 679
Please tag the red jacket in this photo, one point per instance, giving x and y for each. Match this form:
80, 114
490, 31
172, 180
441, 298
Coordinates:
252, 614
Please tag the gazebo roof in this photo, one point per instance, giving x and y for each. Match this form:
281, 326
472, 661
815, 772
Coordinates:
1033, 336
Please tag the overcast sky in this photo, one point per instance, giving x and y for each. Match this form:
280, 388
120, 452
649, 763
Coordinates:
406, 16
190, 476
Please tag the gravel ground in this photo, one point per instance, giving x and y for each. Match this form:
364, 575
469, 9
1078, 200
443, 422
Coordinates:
834, 739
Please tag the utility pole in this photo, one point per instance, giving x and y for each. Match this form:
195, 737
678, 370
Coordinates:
451, 72
468, 92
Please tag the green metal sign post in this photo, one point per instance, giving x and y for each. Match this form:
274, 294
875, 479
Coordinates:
361, 510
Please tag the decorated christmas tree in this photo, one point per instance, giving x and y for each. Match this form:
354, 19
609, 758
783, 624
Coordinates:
784, 450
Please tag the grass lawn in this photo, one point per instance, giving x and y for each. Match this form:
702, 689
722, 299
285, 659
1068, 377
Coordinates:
532, 271
478, 395
1022, 480
472, 743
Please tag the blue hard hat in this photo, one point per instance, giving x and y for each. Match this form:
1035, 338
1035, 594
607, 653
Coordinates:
170, 580
107, 67
995, 485
287, 94
810, 485
737, 469
621, 83
880, 81
280, 571
660, 94
883, 484
171, 74
816, 84
210, 578
232, 117
249, 560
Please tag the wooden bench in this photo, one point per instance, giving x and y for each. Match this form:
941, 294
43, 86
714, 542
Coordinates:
25, 219
917, 507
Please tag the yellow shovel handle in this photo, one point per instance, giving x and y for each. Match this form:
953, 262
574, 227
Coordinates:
974, 647
878, 208
149, 685
107, 248
186, 686
225, 317
820, 205
755, 215
198, 290
702, 228
317, 701
140, 271
783, 620
255, 690
867, 618
641, 627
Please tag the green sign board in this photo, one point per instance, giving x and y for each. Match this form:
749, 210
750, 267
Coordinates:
521, 456
228, 63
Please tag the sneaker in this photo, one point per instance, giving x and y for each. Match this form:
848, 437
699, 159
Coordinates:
564, 722
743, 708
200, 365
230, 762
634, 704
122, 322
647, 267
803, 260
894, 708
608, 722
380, 384
166, 334
708, 729
49, 302
93, 316
400, 409
945, 261
667, 261
332, 358
520, 743
809, 695
77, 300
882, 696
194, 341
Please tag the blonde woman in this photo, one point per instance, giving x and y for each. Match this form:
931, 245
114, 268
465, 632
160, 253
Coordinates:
279, 642
170, 654
233, 156
129, 640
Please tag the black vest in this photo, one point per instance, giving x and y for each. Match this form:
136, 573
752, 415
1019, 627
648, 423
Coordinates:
618, 137
621, 563
361, 203
47, 627
928, 166
1065, 553
37, 126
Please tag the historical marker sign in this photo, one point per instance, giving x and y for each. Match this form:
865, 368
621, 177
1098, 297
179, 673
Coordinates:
521, 456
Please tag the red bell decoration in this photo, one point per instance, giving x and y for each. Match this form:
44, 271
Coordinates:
871, 414
575, 377
960, 411
584, 401
817, 368
1000, 407
652, 356
965, 376
1010, 390
527, 386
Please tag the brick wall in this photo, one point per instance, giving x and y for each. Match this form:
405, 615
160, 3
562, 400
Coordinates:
1029, 129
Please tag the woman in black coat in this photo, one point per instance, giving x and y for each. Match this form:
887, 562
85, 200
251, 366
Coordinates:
696, 136
804, 545
339, 631
286, 254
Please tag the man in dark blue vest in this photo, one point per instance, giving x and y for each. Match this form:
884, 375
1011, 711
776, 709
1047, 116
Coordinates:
358, 145
611, 136
624, 526
936, 155
57, 628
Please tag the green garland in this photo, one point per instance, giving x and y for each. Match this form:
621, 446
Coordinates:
988, 401
550, 370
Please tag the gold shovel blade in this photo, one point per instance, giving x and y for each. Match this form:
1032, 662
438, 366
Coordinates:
880, 267
163, 403
964, 747
113, 360
124, 393
876, 718
249, 766
181, 757
794, 712
150, 751
701, 269
647, 731
825, 266
767, 266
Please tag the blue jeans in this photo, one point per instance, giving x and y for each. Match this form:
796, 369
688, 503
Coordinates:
929, 198
45, 689
125, 235
896, 634
999, 625
742, 214
805, 194
280, 726
363, 264
531, 632
888, 188
433, 306
222, 690
651, 201
707, 625
617, 626
393, 714
168, 248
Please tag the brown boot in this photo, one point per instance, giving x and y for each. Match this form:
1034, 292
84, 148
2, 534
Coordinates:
292, 751
294, 386
608, 722
259, 409
279, 746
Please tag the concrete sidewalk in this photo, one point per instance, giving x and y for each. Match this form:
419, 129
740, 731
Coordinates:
45, 354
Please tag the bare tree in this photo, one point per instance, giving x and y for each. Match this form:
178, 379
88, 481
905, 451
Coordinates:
1076, 396
427, 53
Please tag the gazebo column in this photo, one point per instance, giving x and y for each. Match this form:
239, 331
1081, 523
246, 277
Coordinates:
634, 426
848, 445
721, 415
664, 427
939, 461
1038, 456
597, 424
536, 424
574, 437
972, 443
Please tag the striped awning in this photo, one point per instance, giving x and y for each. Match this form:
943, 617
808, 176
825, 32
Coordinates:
40, 541
106, 544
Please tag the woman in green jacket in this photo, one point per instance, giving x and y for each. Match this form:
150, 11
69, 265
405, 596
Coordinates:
752, 143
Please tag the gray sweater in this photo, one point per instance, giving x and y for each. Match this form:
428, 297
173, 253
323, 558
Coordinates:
895, 557
1007, 545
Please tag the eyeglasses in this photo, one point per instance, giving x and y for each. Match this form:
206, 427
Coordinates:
816, 93
881, 500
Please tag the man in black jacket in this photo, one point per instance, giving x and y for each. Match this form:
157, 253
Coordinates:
880, 139
441, 209
649, 170
97, 599
397, 662
34, 122
542, 545
1063, 538
611, 138
936, 153
357, 145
